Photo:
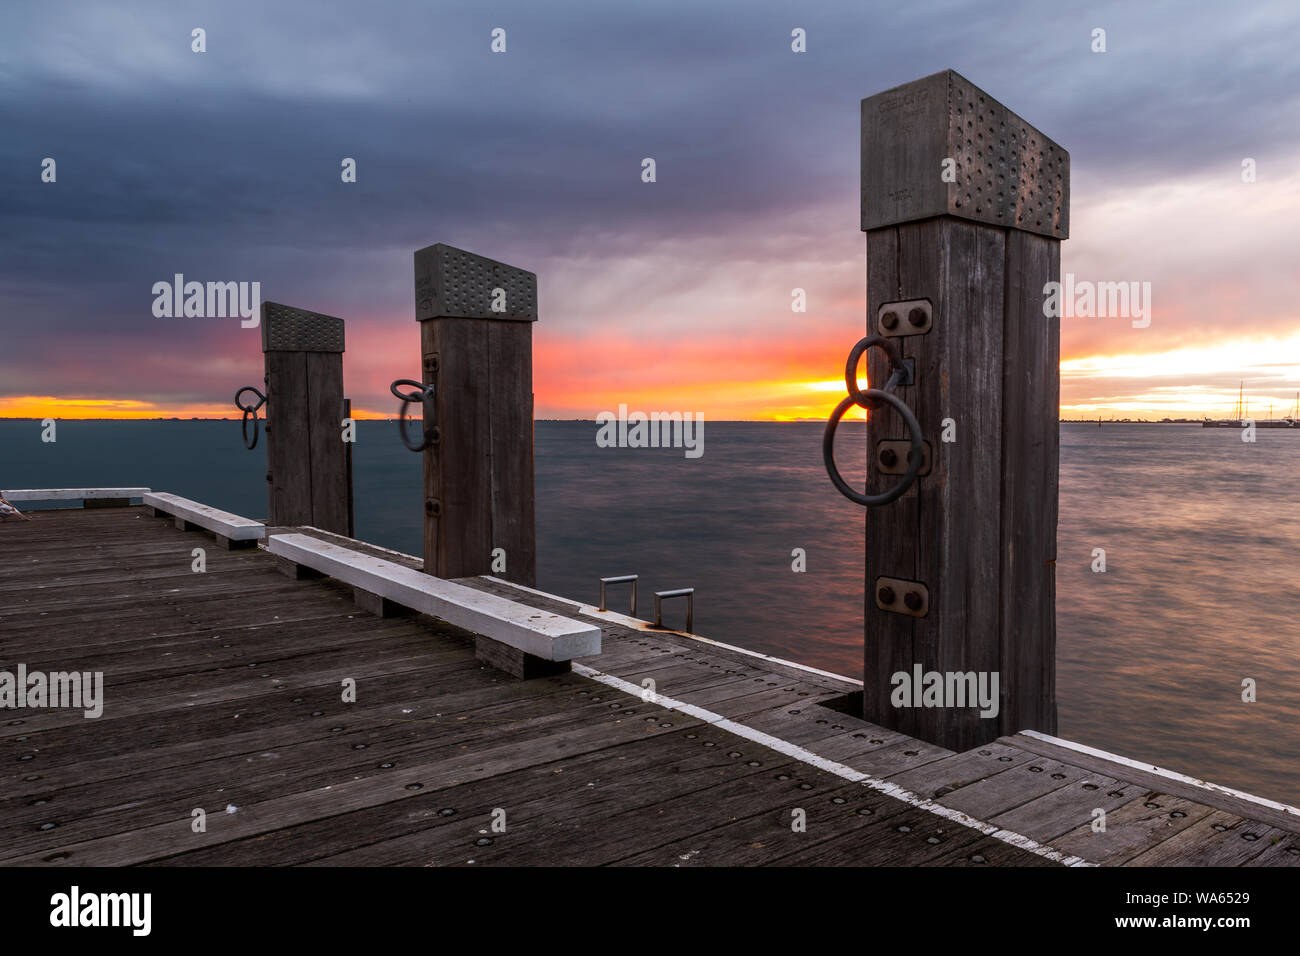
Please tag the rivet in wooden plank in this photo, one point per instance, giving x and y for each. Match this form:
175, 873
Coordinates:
902, 596
918, 313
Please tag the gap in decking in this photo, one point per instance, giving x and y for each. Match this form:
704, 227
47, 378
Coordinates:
850, 704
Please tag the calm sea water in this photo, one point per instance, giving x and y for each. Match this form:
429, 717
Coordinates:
1200, 533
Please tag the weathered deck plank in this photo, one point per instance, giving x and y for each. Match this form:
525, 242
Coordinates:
224, 688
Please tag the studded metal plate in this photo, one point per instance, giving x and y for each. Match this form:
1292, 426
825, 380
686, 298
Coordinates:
1006, 172
286, 329
453, 283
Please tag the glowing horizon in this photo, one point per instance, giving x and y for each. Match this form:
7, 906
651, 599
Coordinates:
794, 398
674, 295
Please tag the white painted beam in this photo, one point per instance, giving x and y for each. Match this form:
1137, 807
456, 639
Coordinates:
72, 494
218, 522
540, 633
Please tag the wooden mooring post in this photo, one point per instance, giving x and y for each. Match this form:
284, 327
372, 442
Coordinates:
964, 205
308, 463
476, 342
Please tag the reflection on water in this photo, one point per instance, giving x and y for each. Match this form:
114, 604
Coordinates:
1199, 531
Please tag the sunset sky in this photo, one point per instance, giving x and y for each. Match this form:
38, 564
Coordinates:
224, 166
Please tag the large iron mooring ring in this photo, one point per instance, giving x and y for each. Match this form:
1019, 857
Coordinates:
424, 394
250, 414
870, 399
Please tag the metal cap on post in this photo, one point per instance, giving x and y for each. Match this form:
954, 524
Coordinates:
941, 146
476, 318
309, 465
964, 205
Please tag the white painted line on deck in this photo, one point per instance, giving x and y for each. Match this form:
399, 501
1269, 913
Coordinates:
615, 617
1018, 840
1162, 772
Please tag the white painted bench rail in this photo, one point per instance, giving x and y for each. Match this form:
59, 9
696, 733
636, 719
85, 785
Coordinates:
220, 523
527, 629
72, 494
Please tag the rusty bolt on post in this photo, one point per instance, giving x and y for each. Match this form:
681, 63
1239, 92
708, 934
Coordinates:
886, 595
888, 457
912, 600
916, 317
889, 320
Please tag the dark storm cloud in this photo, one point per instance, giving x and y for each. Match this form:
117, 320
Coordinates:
225, 165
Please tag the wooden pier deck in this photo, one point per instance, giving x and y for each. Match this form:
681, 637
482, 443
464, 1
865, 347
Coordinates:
222, 692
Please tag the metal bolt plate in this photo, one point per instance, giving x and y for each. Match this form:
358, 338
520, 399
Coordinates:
1004, 171
902, 589
896, 319
900, 448
286, 329
453, 283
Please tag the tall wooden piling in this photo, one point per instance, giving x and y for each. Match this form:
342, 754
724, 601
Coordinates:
964, 205
476, 339
309, 465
